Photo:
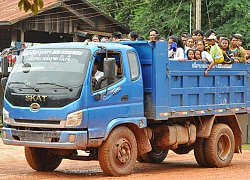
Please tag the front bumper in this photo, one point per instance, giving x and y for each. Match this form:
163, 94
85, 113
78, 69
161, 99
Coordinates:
45, 139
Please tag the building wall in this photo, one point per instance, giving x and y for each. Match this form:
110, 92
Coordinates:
5, 38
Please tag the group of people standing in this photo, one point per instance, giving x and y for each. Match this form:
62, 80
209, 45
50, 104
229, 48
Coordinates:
205, 47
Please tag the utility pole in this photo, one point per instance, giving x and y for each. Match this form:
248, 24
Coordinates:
198, 14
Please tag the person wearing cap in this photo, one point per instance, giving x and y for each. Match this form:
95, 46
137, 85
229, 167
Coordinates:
215, 52
238, 51
206, 35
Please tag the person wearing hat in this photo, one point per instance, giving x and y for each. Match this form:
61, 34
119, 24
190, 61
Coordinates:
238, 51
206, 35
215, 52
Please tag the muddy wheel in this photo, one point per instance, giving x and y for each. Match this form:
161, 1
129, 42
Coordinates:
40, 160
219, 147
139, 159
157, 155
117, 155
199, 152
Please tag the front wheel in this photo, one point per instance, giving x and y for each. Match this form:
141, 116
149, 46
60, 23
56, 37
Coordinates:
40, 160
219, 147
157, 155
117, 155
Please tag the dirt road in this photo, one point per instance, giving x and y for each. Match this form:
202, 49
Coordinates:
14, 166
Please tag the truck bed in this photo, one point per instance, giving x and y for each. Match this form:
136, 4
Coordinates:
177, 89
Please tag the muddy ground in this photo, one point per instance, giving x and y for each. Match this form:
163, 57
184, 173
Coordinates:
13, 165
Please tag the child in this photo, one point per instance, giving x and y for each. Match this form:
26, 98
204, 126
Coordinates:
197, 55
190, 54
228, 55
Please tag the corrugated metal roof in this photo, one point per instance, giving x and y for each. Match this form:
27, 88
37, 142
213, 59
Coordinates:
10, 13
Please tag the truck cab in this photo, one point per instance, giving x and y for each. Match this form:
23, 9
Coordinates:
50, 89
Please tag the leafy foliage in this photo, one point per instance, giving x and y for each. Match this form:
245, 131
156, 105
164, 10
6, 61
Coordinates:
173, 17
27, 5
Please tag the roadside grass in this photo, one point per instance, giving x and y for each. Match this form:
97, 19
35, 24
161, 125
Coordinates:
246, 146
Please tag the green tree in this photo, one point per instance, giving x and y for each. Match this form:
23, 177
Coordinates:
172, 17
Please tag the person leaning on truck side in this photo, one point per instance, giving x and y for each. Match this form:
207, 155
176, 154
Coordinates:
205, 55
206, 35
238, 51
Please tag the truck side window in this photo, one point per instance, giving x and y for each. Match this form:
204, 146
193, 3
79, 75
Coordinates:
133, 65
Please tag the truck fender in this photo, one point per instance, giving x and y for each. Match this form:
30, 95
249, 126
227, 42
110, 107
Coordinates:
138, 126
205, 123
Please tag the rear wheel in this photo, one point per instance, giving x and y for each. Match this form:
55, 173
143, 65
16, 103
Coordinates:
39, 159
199, 152
157, 155
139, 159
117, 155
219, 147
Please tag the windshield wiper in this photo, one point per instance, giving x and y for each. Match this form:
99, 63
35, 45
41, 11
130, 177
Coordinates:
69, 88
17, 82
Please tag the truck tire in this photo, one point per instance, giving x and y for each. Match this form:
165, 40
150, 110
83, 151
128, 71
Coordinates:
139, 159
219, 147
117, 155
155, 156
199, 152
40, 160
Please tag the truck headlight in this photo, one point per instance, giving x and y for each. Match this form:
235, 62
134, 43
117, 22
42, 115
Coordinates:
6, 116
74, 119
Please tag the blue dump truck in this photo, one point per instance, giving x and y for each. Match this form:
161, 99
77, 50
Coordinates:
143, 106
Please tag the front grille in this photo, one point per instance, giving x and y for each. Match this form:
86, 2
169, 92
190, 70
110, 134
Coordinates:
37, 121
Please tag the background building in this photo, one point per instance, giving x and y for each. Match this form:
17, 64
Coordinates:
57, 21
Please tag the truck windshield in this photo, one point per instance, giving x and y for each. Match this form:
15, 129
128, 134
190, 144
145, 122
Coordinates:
43, 67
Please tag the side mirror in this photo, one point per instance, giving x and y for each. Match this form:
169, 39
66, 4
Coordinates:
4, 82
109, 69
4, 66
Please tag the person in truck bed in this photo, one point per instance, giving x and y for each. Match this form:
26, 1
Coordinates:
238, 51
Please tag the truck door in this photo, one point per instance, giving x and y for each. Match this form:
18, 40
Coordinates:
109, 102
